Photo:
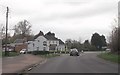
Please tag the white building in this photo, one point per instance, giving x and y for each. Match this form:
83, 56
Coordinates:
61, 45
45, 42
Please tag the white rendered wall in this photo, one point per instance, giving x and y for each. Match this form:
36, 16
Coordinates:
39, 43
30, 46
61, 47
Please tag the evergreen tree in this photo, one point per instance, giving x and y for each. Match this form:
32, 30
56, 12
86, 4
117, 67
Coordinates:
98, 41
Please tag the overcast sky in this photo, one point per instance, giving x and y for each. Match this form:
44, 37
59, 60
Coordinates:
66, 18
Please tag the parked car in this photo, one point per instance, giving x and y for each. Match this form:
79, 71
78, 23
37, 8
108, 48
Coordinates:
74, 52
108, 50
82, 51
23, 51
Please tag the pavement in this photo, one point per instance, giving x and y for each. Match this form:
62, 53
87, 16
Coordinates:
87, 62
17, 64
0, 65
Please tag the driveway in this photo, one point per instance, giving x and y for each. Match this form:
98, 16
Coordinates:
85, 63
18, 63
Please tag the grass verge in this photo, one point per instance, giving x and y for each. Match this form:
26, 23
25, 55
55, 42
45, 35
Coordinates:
49, 55
110, 57
0, 53
10, 54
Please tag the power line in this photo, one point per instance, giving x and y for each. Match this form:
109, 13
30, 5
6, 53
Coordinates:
2, 8
2, 5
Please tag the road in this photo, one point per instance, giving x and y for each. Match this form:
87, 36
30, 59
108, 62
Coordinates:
0, 65
85, 63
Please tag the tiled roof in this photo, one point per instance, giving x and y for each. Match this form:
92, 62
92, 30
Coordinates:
19, 41
60, 41
50, 36
39, 34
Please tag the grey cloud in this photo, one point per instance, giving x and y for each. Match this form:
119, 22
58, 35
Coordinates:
101, 9
77, 2
91, 12
87, 12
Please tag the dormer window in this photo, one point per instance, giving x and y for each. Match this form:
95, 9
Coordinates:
45, 43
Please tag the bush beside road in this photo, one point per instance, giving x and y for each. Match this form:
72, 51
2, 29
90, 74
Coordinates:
48, 54
110, 57
45, 54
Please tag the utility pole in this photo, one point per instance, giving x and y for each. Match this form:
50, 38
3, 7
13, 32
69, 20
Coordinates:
6, 39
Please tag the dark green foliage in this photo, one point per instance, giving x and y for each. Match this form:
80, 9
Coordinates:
98, 41
40, 52
93, 48
64, 51
103, 40
86, 45
70, 44
95, 40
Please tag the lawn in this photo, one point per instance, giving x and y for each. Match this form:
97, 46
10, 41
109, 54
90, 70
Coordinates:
50, 55
10, 54
0, 53
110, 57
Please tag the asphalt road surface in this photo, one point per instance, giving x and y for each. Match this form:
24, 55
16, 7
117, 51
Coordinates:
0, 65
85, 63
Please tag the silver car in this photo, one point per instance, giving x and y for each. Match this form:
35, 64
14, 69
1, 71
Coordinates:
74, 52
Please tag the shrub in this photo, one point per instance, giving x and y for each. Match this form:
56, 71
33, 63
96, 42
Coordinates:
40, 52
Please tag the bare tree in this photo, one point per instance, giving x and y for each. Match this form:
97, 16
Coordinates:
23, 27
114, 38
2, 31
68, 43
80, 40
